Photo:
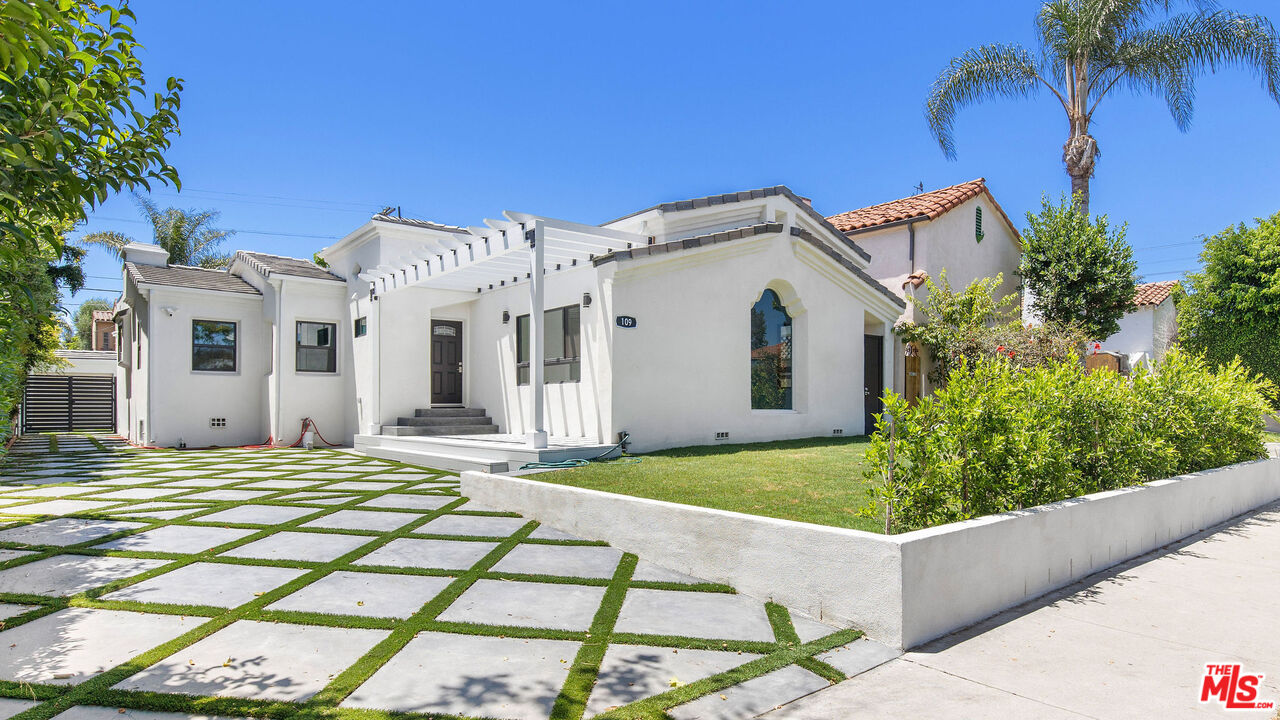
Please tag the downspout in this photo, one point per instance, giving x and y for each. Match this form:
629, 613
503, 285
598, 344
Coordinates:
276, 356
149, 425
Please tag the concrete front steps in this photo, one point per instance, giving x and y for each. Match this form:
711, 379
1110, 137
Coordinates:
487, 452
443, 421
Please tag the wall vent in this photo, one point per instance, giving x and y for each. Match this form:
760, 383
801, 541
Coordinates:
217, 422
722, 436
837, 431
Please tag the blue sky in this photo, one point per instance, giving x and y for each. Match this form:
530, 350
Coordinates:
299, 120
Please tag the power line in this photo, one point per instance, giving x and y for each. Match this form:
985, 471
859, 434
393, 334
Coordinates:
235, 230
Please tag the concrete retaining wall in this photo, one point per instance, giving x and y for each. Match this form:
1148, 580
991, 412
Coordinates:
906, 589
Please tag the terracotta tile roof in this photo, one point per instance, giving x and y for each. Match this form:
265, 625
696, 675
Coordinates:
188, 277
1153, 293
925, 206
102, 315
270, 265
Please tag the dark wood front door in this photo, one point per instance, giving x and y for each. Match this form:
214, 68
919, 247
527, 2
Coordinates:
446, 362
873, 378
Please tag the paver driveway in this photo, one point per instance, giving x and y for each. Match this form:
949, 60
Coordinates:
325, 583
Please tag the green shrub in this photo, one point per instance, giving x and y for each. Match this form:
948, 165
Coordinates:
974, 324
1002, 437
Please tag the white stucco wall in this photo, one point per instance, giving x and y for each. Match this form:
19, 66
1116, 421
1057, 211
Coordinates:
683, 373
947, 243
902, 590
1136, 336
82, 362
572, 409
323, 397
1145, 333
950, 243
181, 401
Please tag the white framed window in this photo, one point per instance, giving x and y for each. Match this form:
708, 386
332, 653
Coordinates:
213, 346
316, 350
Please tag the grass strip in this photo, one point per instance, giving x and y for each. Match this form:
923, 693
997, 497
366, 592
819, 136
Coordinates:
364, 668
571, 703
656, 706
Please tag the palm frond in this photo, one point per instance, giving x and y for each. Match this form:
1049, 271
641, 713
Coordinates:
979, 74
113, 241
1167, 58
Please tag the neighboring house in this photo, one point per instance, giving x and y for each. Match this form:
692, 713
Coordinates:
960, 229
103, 332
567, 335
1150, 328
230, 357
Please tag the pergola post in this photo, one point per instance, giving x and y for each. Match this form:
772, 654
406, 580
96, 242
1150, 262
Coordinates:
535, 236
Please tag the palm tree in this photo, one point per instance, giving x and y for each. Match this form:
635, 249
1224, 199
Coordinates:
188, 235
1090, 47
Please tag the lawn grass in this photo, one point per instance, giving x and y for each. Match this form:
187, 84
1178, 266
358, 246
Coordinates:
816, 480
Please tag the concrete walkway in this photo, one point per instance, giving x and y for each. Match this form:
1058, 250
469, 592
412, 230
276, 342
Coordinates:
262, 580
1129, 643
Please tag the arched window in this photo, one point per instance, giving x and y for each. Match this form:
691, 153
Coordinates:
771, 343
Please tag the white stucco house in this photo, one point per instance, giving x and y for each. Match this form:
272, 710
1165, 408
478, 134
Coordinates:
230, 357
1150, 328
729, 318
960, 229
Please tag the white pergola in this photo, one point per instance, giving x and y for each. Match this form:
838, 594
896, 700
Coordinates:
502, 253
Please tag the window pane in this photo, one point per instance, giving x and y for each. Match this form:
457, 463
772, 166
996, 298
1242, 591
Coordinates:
207, 332
553, 337
315, 359
522, 340
213, 358
572, 331
771, 347
315, 334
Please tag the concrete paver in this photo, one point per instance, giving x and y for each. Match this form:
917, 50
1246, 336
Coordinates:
74, 644
469, 675
365, 593
266, 661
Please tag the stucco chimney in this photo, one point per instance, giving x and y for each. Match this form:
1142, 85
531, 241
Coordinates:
145, 254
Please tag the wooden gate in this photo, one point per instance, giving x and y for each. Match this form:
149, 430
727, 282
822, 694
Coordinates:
912, 382
67, 403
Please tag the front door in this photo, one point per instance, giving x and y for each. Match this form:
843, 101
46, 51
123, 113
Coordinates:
446, 362
873, 378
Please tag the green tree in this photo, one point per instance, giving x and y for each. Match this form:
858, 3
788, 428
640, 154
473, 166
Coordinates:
188, 235
1077, 271
73, 118
1089, 48
30, 317
1231, 307
82, 323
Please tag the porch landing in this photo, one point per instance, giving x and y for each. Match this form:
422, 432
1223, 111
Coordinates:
489, 453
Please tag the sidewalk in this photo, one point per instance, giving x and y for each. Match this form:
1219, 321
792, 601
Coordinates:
1129, 643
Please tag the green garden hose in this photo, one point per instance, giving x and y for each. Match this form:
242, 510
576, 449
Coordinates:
580, 462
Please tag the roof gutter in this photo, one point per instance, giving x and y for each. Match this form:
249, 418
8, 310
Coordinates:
885, 226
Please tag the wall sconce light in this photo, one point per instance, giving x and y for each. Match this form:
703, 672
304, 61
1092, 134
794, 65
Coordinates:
586, 299
506, 317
